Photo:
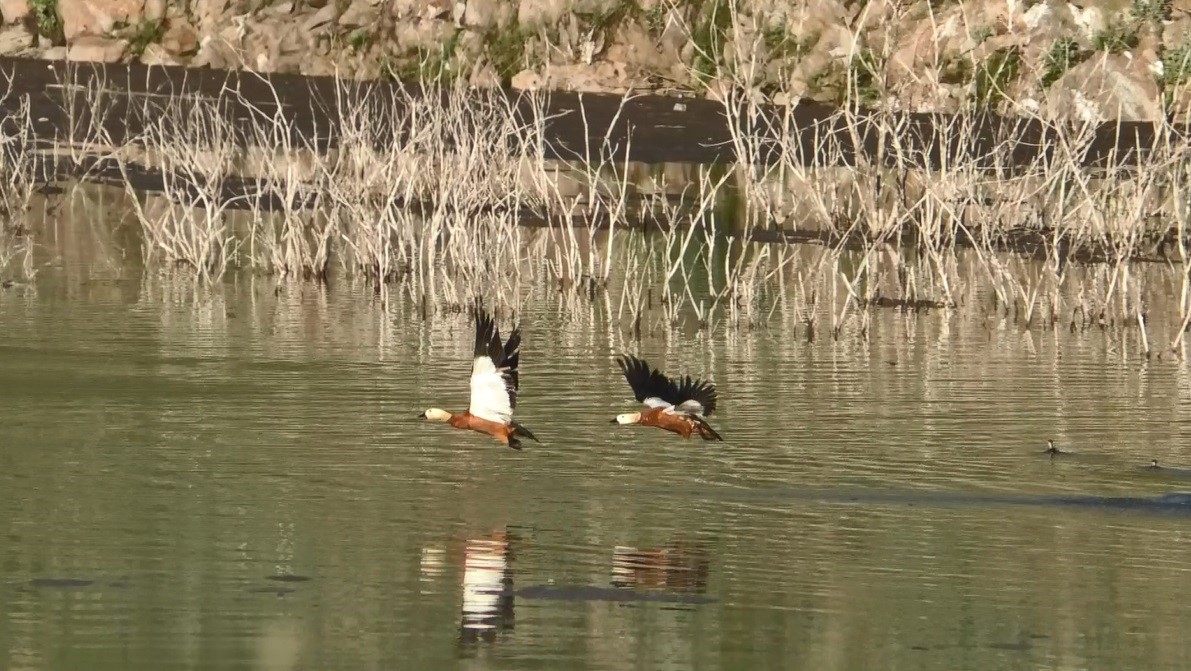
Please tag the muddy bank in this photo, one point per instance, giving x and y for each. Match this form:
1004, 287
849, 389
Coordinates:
648, 129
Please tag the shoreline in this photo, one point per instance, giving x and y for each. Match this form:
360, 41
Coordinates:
607, 127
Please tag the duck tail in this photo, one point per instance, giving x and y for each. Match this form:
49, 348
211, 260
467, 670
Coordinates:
708, 433
519, 430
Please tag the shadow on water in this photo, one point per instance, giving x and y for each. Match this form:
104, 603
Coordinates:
1172, 503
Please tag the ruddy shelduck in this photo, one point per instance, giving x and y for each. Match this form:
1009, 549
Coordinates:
676, 406
494, 383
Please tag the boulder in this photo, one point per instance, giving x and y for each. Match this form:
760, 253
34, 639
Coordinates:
358, 14
323, 17
537, 13
154, 10
485, 15
1106, 87
97, 17
526, 80
15, 39
97, 49
13, 10
155, 54
180, 39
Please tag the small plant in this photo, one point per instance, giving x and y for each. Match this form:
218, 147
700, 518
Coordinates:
994, 76
144, 34
979, 35
864, 74
507, 50
1118, 36
45, 16
1154, 11
784, 46
360, 40
1176, 65
710, 34
426, 65
1063, 55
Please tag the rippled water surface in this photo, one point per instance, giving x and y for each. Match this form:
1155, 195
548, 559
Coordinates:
236, 479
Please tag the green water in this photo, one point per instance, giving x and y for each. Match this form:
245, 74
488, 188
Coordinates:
236, 479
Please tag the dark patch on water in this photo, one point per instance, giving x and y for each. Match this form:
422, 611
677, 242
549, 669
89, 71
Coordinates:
288, 577
61, 582
1170, 503
590, 593
1170, 471
277, 591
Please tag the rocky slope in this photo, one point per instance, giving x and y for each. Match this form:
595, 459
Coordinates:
1094, 61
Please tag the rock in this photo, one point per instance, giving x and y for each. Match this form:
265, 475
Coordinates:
526, 80
208, 15
155, 54
154, 10
15, 39
1108, 87
180, 39
317, 66
97, 49
97, 17
487, 14
13, 10
1090, 21
54, 54
359, 13
321, 18
534, 13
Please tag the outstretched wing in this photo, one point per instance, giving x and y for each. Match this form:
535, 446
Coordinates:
494, 371
656, 390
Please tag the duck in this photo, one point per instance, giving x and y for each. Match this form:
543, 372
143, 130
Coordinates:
494, 383
679, 406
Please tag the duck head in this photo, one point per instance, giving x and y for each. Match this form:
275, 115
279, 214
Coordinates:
436, 415
627, 418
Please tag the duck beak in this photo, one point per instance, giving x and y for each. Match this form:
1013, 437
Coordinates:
613, 421
422, 415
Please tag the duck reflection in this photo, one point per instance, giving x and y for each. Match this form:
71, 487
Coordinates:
487, 587
676, 567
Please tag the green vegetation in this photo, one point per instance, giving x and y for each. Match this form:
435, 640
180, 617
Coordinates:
1063, 55
709, 36
49, 24
784, 46
863, 76
143, 34
994, 76
1154, 11
1176, 65
507, 50
1119, 35
441, 65
609, 18
360, 40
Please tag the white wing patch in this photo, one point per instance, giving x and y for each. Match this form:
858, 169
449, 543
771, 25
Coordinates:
691, 406
655, 402
489, 396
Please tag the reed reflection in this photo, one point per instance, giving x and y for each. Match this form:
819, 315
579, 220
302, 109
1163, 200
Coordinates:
487, 588
679, 566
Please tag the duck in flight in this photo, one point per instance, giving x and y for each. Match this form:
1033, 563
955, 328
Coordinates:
678, 406
494, 383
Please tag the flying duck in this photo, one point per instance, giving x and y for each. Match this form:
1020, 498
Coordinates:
676, 406
493, 387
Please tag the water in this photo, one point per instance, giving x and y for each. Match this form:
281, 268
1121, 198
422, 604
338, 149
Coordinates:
236, 479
